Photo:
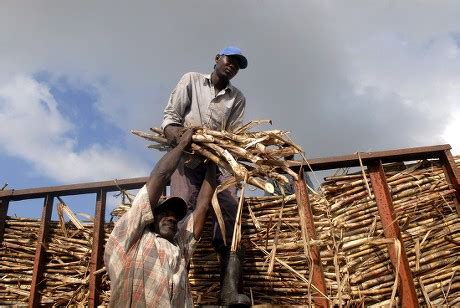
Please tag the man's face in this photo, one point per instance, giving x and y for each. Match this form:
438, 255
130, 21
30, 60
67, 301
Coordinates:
226, 66
165, 224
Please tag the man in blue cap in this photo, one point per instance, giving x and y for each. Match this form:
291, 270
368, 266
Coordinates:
211, 101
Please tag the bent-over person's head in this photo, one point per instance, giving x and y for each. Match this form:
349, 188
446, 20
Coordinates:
167, 214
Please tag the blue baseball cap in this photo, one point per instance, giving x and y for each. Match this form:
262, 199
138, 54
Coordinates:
235, 52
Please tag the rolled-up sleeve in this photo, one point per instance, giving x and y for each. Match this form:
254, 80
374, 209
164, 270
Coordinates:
235, 119
178, 103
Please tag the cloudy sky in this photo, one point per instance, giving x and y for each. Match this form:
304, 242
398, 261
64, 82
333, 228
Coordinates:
342, 77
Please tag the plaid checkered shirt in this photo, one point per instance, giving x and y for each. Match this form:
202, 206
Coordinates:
145, 269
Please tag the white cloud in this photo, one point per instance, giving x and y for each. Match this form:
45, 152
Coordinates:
32, 128
451, 133
341, 77
422, 74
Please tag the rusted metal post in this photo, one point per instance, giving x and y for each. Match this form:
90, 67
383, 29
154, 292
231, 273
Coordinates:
3, 212
40, 252
309, 233
391, 230
452, 175
97, 251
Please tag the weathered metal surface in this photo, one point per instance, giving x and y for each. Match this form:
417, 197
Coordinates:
452, 175
74, 189
309, 233
97, 251
348, 161
391, 230
3, 212
40, 252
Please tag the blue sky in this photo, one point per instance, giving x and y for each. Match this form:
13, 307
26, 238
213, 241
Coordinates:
77, 77
77, 101
84, 129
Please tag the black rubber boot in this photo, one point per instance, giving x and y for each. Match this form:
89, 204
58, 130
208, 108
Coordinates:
231, 281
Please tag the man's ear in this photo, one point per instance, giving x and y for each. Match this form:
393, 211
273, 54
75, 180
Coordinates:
217, 58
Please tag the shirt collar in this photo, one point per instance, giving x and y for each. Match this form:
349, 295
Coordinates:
207, 78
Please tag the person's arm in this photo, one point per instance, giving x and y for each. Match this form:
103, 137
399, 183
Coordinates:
163, 170
174, 113
172, 133
204, 200
131, 225
191, 228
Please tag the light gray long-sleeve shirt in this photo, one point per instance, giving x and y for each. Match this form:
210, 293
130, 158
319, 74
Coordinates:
194, 102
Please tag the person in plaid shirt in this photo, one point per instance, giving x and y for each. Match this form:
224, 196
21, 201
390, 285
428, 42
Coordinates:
150, 247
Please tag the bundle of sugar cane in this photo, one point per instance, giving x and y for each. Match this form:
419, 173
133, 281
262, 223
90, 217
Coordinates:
66, 276
429, 224
16, 259
242, 153
66, 267
253, 157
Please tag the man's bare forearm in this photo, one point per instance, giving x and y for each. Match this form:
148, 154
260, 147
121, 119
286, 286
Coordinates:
165, 167
167, 164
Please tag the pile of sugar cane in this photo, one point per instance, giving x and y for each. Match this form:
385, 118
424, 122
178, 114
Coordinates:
66, 270
355, 258
353, 248
17, 259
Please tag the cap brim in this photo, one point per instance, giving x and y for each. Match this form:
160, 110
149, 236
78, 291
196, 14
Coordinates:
243, 62
176, 204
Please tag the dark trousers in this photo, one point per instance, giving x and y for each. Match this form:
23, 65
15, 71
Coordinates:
186, 183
